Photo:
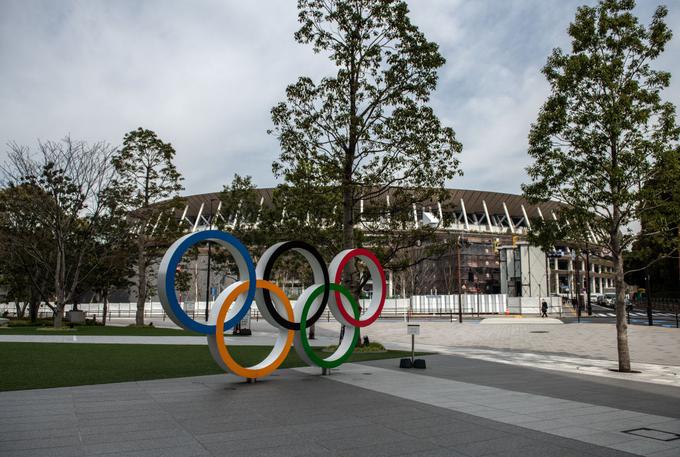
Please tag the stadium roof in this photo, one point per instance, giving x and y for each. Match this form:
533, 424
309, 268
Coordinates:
473, 210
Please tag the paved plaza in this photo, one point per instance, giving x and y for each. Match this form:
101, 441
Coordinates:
457, 407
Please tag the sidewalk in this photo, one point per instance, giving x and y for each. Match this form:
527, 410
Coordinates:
655, 345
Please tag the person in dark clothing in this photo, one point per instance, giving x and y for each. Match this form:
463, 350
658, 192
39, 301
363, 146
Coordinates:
544, 309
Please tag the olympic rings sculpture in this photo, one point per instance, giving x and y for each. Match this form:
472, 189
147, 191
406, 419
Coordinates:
233, 303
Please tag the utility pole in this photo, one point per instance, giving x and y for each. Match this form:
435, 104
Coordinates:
207, 286
650, 319
578, 282
460, 287
590, 306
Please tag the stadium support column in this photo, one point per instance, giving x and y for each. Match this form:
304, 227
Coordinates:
488, 218
507, 216
465, 218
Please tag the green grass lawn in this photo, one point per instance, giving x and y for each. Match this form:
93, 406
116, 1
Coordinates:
96, 330
43, 365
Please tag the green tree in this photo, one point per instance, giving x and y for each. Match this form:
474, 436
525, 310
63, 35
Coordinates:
147, 182
183, 281
26, 250
240, 210
600, 133
658, 254
113, 257
367, 129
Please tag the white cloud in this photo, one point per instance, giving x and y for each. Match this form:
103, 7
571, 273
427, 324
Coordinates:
205, 74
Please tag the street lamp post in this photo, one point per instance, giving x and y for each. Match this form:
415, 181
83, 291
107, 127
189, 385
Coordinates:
207, 285
590, 306
459, 244
578, 284
650, 319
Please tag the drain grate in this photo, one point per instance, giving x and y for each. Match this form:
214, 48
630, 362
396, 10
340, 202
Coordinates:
654, 434
538, 331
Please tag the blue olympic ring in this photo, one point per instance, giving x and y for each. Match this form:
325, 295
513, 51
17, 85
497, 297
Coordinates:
168, 266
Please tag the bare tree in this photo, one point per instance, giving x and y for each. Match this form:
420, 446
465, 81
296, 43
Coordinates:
68, 180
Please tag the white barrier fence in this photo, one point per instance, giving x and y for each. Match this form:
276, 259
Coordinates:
532, 305
472, 304
394, 307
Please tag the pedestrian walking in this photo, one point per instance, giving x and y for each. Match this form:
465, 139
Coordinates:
544, 309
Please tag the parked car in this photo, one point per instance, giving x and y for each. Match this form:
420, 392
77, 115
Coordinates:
610, 299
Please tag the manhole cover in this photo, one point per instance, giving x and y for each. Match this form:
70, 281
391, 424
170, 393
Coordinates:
654, 434
538, 331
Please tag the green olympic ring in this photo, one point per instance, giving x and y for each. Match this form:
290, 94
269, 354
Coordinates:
346, 346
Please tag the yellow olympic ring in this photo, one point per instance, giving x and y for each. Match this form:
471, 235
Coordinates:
279, 352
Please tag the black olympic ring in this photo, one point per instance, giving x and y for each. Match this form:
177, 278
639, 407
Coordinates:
318, 268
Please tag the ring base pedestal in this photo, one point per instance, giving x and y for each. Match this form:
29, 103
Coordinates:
251, 380
325, 372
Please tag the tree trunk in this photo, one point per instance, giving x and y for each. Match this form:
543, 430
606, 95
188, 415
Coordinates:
58, 315
105, 300
33, 307
621, 324
141, 282
20, 309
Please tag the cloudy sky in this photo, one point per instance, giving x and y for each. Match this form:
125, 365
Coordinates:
204, 75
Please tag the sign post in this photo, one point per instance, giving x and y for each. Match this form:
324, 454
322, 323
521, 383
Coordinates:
413, 330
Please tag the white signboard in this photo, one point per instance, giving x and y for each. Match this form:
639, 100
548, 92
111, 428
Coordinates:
413, 329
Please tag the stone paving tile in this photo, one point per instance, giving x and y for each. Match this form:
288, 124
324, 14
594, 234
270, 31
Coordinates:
34, 433
33, 419
179, 451
538, 451
256, 446
469, 436
443, 452
106, 436
67, 439
123, 445
495, 445
389, 449
127, 427
65, 451
645, 447
666, 453
251, 433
